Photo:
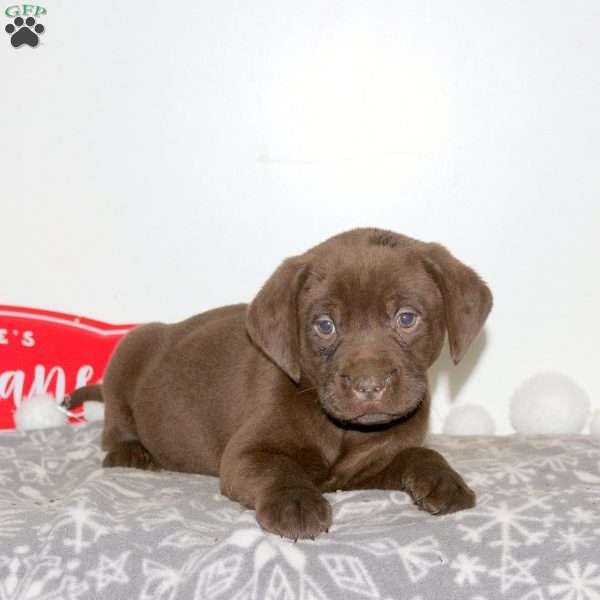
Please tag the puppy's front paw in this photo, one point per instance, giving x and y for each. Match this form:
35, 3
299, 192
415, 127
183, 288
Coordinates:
294, 513
439, 491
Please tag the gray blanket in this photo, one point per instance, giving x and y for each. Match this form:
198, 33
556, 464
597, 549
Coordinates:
69, 529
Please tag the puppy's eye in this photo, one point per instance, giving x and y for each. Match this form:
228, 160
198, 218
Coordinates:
407, 319
325, 327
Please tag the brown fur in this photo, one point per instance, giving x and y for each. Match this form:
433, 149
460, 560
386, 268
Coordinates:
282, 412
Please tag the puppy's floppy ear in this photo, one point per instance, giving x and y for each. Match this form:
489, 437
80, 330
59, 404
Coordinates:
272, 317
467, 299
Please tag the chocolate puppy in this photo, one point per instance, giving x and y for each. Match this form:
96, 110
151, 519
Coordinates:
319, 384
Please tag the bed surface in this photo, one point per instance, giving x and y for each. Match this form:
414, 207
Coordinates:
69, 529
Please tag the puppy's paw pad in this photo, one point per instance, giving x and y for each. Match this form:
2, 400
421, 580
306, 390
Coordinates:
132, 455
440, 492
295, 513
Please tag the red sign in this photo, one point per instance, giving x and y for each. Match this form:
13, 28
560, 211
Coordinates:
49, 352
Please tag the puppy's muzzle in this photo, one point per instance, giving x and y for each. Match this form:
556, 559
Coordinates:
368, 388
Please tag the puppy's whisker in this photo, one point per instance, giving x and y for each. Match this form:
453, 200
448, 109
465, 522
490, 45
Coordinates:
306, 390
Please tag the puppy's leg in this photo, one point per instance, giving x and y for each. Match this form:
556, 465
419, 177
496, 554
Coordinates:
427, 477
121, 440
286, 500
120, 436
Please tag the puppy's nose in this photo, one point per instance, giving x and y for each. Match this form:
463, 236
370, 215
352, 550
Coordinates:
369, 387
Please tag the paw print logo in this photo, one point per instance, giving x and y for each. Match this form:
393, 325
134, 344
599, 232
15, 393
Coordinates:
24, 32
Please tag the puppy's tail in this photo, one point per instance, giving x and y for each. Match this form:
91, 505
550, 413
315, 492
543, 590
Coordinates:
84, 394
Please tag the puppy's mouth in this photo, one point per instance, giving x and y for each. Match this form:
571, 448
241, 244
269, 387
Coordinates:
375, 419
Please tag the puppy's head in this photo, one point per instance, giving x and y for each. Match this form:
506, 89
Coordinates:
362, 317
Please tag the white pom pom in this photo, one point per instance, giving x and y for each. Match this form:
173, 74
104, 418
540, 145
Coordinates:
38, 412
93, 411
469, 419
549, 403
595, 424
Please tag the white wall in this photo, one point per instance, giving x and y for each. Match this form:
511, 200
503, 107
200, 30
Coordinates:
158, 159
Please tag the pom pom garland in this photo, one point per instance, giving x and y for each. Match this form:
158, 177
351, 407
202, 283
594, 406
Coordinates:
549, 403
38, 412
42, 410
469, 419
93, 410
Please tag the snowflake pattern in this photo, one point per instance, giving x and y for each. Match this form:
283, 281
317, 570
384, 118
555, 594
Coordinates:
110, 571
69, 529
584, 516
577, 582
468, 569
85, 524
572, 539
510, 525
